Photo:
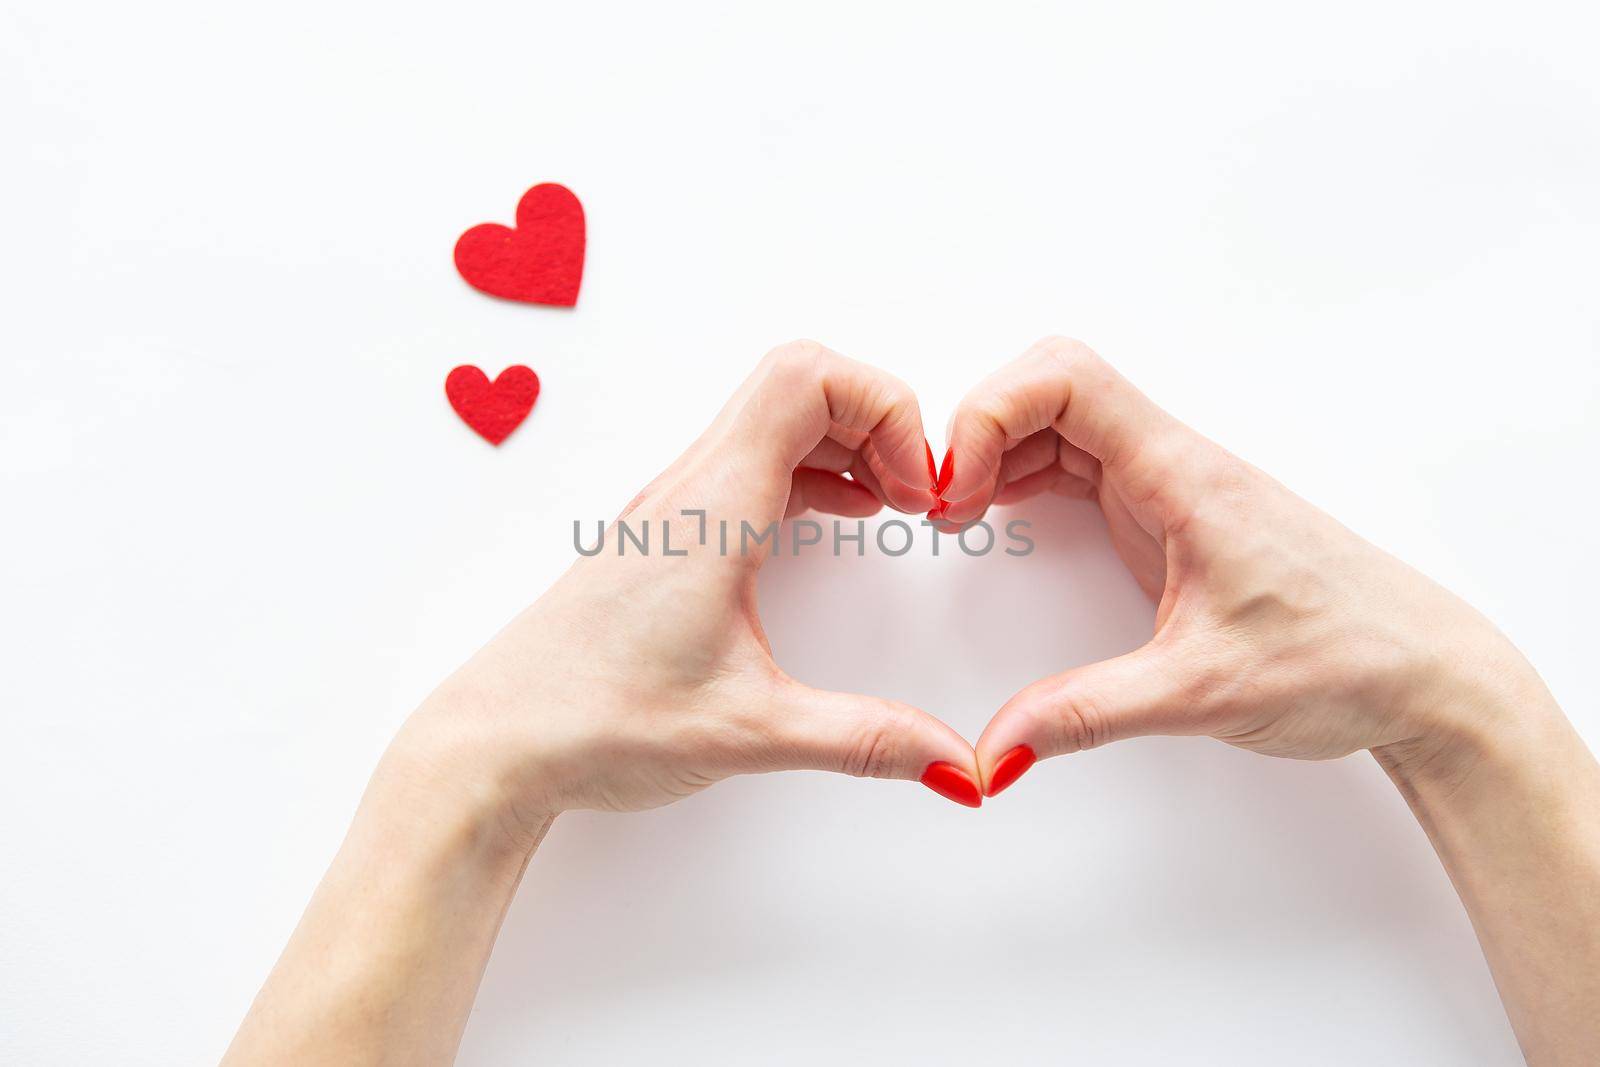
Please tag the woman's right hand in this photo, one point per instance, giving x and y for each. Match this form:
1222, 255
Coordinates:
1278, 630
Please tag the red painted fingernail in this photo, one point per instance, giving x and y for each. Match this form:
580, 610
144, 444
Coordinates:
947, 470
933, 472
1010, 767
952, 783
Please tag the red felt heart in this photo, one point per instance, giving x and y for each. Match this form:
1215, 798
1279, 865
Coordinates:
495, 408
540, 262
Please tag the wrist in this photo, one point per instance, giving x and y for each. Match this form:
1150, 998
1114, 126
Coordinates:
437, 775
1478, 708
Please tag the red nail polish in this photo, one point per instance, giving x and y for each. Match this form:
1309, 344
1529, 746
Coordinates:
947, 470
1010, 767
952, 783
933, 472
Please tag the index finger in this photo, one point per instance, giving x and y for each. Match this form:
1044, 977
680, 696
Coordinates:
1058, 384
799, 394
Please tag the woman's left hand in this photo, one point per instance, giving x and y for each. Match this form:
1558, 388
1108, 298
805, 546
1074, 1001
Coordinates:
643, 676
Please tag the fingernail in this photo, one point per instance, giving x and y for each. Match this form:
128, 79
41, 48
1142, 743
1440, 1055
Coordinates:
947, 470
1010, 767
952, 783
933, 472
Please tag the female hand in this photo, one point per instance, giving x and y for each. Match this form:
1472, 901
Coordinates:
641, 677
1278, 630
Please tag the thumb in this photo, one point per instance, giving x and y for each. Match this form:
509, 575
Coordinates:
1134, 695
870, 737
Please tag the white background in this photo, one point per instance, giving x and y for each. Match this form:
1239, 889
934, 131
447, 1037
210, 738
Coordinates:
245, 534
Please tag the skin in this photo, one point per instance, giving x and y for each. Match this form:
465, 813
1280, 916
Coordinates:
637, 680
633, 682
1280, 631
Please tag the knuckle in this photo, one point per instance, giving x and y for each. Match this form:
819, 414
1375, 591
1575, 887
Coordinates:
986, 409
1080, 724
1215, 489
796, 359
900, 395
1229, 479
990, 411
1068, 353
874, 745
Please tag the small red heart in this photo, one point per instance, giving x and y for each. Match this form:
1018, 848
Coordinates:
540, 262
493, 409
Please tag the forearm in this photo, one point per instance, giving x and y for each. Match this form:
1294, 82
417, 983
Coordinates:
386, 961
1512, 807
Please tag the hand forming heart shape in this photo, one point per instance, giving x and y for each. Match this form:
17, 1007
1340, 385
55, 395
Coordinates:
642, 677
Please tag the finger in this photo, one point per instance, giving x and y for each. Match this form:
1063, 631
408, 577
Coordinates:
1041, 482
1034, 453
1027, 469
839, 452
1074, 488
801, 390
1078, 463
1052, 480
863, 476
830, 455
1143, 692
868, 737
1058, 384
828, 492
